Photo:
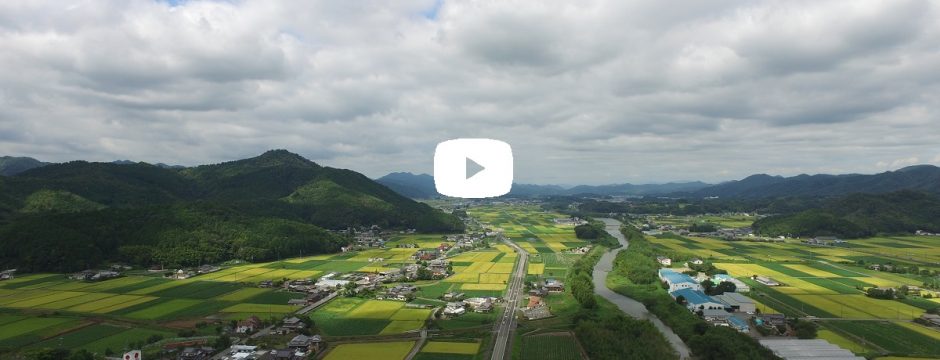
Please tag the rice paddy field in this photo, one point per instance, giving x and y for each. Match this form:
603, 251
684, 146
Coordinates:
830, 283
355, 316
396, 350
51, 310
535, 231
449, 350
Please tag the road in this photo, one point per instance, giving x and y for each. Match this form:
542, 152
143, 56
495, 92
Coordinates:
506, 323
632, 307
418, 344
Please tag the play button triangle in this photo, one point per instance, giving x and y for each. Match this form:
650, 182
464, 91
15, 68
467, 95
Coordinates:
473, 168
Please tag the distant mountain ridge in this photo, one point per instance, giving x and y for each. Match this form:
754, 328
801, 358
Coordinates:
421, 186
75, 215
10, 165
919, 178
415, 186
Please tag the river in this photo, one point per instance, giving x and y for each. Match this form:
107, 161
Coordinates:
632, 307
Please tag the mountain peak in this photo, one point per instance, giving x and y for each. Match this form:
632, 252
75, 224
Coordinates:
924, 167
280, 157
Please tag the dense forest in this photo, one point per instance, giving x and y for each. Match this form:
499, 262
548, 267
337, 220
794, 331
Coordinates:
860, 215
75, 215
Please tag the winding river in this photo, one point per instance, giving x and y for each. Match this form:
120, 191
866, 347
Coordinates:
632, 307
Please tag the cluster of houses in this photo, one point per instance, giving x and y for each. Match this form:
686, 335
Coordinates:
467, 241
536, 309
574, 221
95, 275
925, 233
300, 347
400, 292
824, 241
456, 307
728, 309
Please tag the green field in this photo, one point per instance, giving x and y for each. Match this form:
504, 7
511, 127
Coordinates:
383, 350
550, 347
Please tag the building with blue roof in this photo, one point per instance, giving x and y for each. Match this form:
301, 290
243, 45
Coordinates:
697, 300
676, 281
738, 324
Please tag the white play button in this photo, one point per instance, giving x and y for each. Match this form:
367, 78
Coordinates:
473, 168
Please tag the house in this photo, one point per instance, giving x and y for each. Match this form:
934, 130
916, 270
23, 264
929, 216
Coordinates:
251, 324
195, 353
697, 300
8, 274
266, 284
402, 292
538, 291
480, 304
316, 295
297, 302
484, 308
737, 302
664, 261
454, 308
739, 286
293, 323
766, 280
696, 261
553, 285
286, 354
534, 302
930, 319
676, 281
305, 343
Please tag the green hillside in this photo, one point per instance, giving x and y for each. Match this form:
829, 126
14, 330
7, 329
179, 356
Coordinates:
860, 215
76, 215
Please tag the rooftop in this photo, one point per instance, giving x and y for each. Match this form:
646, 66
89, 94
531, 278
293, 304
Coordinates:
733, 299
675, 278
808, 349
694, 297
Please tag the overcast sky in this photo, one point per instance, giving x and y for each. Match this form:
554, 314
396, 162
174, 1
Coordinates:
587, 92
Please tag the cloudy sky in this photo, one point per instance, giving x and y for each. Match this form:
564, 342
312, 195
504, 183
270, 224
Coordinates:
585, 92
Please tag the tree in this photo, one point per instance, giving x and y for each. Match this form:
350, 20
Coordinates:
222, 342
804, 329
708, 286
723, 287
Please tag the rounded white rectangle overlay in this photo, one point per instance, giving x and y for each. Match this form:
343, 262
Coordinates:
450, 168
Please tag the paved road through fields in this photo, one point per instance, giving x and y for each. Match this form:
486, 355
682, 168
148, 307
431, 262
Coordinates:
506, 323
631, 307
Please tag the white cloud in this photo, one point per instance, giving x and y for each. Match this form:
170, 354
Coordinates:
645, 90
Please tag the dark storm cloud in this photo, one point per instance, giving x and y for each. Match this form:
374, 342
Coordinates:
643, 90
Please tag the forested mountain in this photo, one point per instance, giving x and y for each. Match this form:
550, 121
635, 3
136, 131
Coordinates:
920, 178
860, 215
10, 165
78, 214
